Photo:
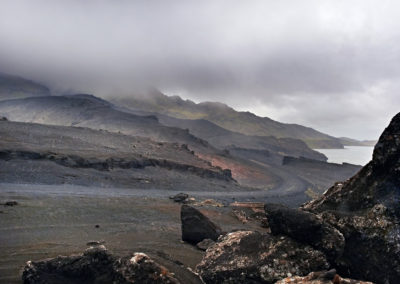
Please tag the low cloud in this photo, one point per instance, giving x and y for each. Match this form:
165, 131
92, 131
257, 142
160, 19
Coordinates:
332, 65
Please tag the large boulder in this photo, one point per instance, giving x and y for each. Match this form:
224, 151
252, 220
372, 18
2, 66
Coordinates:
197, 227
305, 227
252, 257
365, 209
320, 277
96, 265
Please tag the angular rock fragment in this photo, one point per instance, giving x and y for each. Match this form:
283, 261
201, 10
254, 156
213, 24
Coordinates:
197, 227
252, 257
180, 197
305, 227
96, 265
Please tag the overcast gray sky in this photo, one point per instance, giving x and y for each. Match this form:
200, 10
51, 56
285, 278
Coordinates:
332, 65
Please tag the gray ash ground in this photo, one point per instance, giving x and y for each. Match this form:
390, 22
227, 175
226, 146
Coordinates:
59, 220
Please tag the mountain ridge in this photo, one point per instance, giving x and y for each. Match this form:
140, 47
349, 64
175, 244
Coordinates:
226, 117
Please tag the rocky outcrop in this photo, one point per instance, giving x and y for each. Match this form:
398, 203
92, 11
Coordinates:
376, 183
106, 164
365, 209
97, 265
197, 227
305, 227
321, 277
252, 257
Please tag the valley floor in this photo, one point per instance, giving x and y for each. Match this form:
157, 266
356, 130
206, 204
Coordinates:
59, 220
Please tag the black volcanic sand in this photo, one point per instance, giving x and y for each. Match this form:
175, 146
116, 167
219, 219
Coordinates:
59, 220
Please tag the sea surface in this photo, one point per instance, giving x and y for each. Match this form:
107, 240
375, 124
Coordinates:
358, 155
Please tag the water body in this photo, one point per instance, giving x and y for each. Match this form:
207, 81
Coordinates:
358, 155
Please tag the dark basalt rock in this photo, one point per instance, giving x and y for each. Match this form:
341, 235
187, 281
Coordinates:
11, 203
365, 209
3, 118
252, 257
96, 265
180, 197
321, 277
305, 227
197, 227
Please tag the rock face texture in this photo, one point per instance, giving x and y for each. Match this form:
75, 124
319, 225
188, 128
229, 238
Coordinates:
305, 227
97, 265
197, 227
252, 257
365, 209
321, 277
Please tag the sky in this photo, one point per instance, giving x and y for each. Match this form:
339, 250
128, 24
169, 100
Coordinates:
331, 65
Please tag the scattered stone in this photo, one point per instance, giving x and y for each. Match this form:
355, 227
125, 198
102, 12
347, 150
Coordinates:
252, 257
240, 215
210, 202
11, 203
197, 227
190, 200
205, 244
321, 277
95, 243
305, 227
97, 265
180, 197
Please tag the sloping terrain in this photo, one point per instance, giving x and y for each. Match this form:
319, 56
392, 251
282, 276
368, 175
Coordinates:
13, 87
353, 142
225, 139
228, 118
92, 112
34, 153
95, 113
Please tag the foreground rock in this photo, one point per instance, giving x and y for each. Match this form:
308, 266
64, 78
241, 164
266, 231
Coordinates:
305, 227
252, 257
96, 265
322, 277
197, 227
365, 209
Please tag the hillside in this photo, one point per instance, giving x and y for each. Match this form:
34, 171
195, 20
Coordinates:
353, 142
92, 112
13, 87
48, 154
224, 139
226, 117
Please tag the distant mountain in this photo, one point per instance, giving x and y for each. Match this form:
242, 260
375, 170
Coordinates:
353, 142
226, 139
253, 160
226, 117
13, 87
